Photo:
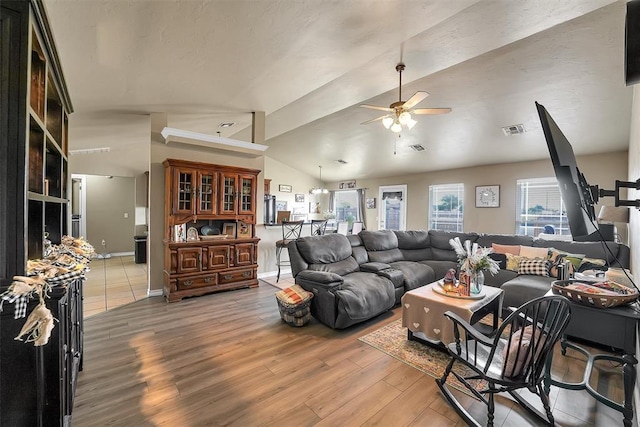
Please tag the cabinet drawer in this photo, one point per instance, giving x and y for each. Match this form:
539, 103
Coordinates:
196, 282
235, 276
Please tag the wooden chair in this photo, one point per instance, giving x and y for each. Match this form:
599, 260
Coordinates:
318, 227
290, 231
511, 358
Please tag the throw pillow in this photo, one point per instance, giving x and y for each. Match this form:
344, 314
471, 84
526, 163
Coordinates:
513, 262
531, 252
506, 249
518, 353
592, 264
574, 259
534, 267
500, 258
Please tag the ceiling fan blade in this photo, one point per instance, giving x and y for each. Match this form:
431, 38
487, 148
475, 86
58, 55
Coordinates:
431, 110
375, 107
374, 120
416, 98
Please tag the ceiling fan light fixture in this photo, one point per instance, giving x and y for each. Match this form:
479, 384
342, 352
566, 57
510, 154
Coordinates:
321, 189
411, 123
396, 127
404, 118
387, 122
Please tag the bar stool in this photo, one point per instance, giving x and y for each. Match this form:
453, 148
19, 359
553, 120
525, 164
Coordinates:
290, 231
358, 226
318, 227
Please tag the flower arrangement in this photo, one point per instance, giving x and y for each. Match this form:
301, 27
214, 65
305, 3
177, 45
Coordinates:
474, 258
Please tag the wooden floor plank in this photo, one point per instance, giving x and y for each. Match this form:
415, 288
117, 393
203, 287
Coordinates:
228, 359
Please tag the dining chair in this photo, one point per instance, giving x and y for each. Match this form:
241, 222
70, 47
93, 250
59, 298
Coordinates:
358, 226
318, 227
510, 358
290, 231
343, 228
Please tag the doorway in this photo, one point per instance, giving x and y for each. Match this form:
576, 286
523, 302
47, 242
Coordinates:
392, 212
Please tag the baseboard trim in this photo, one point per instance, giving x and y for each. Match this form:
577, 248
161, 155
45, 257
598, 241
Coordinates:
154, 293
274, 273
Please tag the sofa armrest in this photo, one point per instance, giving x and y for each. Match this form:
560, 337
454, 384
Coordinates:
323, 279
394, 275
374, 267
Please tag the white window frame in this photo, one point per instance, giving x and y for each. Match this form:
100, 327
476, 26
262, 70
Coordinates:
529, 194
445, 221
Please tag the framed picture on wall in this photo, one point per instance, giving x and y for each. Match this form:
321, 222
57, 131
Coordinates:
299, 198
370, 203
487, 196
284, 188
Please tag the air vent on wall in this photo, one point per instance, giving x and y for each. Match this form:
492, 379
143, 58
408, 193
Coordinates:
514, 129
416, 147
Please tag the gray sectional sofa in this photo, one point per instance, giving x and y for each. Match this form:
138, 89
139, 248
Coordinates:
357, 277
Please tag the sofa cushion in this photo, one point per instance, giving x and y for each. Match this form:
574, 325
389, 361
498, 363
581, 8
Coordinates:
535, 267
498, 279
440, 268
522, 289
341, 268
416, 254
324, 249
505, 249
441, 249
513, 262
379, 240
531, 252
501, 259
413, 239
485, 240
415, 274
365, 295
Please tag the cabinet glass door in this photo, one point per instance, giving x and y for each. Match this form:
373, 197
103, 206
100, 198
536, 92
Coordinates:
228, 194
247, 200
185, 191
207, 183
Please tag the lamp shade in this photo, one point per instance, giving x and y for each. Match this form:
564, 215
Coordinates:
612, 214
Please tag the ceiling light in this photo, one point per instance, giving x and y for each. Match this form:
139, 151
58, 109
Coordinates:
321, 189
396, 127
387, 122
411, 123
404, 118
226, 125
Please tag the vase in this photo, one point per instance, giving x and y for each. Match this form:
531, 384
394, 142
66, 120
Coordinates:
477, 281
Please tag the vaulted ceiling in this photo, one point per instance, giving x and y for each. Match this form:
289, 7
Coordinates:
309, 64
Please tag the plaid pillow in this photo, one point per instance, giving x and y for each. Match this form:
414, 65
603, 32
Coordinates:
534, 267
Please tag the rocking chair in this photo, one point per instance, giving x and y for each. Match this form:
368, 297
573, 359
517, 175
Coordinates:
510, 358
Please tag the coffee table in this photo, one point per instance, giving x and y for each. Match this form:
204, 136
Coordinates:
423, 313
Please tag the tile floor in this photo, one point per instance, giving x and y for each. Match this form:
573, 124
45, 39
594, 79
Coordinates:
113, 282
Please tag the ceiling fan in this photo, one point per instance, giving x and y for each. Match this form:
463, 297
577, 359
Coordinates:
400, 112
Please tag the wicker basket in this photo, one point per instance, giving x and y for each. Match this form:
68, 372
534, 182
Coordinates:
603, 294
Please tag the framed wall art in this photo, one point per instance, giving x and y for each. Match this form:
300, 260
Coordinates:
284, 188
487, 196
370, 203
299, 198
229, 229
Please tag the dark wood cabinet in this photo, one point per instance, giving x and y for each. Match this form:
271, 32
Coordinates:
37, 384
199, 194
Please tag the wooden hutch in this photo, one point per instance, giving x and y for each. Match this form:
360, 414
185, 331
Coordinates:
219, 204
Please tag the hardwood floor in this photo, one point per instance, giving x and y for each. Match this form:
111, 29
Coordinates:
228, 359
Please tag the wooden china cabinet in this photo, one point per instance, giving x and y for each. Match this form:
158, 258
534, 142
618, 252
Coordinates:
209, 199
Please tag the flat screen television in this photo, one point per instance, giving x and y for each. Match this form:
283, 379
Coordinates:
576, 192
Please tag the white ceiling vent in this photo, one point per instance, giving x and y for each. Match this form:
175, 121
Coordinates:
341, 162
416, 147
514, 129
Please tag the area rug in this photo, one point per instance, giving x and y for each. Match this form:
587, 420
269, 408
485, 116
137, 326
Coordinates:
392, 340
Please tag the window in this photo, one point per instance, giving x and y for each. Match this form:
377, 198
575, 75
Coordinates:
538, 205
346, 206
446, 210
